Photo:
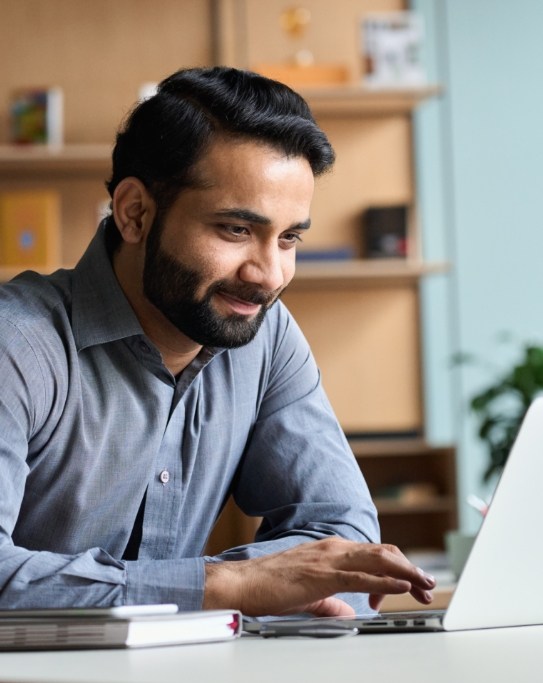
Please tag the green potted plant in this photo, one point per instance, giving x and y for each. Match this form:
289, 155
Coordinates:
500, 407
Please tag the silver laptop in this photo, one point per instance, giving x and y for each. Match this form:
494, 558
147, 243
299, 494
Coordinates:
499, 585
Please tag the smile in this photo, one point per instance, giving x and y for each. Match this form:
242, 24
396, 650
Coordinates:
238, 305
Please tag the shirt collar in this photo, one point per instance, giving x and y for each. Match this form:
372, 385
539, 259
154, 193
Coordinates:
100, 311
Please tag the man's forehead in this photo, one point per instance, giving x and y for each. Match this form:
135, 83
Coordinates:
227, 153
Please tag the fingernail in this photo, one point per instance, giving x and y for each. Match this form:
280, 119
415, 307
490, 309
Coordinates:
429, 578
429, 596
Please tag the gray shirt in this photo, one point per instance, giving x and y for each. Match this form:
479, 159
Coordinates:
91, 421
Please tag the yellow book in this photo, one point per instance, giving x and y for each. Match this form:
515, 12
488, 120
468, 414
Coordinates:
30, 229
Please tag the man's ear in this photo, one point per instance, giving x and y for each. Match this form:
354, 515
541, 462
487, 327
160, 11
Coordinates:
133, 209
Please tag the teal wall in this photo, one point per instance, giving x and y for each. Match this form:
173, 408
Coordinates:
479, 151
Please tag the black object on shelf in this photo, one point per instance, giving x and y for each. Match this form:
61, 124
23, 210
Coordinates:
385, 232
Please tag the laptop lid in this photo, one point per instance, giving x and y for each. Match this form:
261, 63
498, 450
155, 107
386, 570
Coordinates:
500, 583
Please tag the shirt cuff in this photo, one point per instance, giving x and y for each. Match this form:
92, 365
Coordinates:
166, 581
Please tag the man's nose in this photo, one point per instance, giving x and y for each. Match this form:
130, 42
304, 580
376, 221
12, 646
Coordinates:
264, 267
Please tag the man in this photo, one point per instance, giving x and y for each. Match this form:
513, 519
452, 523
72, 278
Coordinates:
161, 375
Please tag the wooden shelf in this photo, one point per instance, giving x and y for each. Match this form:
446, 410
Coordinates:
328, 274
430, 507
424, 507
331, 100
356, 100
33, 161
370, 448
311, 278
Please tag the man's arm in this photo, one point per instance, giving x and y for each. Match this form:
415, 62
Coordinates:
32, 577
306, 578
299, 474
37, 577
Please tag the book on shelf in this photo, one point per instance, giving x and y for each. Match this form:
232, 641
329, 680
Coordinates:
29, 228
328, 254
37, 116
122, 627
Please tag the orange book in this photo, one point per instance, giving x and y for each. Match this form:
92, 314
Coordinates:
30, 229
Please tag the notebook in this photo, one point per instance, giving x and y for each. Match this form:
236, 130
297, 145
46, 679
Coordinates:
500, 583
116, 627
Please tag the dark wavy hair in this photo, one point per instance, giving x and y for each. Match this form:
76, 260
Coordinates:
165, 135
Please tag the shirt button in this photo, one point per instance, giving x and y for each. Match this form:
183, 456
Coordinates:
144, 347
164, 476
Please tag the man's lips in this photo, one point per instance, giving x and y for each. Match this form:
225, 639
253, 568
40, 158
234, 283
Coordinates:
239, 306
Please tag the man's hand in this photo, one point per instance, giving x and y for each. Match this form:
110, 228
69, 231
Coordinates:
305, 579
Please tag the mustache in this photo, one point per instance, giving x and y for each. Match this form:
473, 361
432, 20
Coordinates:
253, 295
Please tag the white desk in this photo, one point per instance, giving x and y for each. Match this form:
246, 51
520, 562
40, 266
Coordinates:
498, 655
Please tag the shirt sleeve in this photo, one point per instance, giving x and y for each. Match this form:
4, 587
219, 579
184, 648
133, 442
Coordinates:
32, 578
299, 473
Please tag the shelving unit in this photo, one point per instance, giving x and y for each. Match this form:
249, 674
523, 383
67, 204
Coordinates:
369, 308
362, 273
37, 160
412, 482
414, 489
361, 317
414, 524
356, 100
77, 172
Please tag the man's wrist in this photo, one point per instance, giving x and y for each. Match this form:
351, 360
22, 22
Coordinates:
222, 587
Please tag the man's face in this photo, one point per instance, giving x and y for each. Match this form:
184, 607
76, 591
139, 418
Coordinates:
225, 250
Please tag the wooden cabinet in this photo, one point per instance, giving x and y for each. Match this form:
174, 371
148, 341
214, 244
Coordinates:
414, 489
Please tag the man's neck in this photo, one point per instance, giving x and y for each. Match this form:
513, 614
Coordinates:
176, 349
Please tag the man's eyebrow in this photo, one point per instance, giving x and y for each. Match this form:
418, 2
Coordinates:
253, 217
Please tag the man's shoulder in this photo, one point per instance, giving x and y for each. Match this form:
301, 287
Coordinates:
279, 317
31, 300
277, 324
279, 335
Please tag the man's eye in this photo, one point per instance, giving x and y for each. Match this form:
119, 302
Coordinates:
291, 238
235, 230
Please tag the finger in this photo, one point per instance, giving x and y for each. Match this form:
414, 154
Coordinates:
378, 559
423, 596
375, 600
388, 560
384, 585
330, 607
327, 607
353, 582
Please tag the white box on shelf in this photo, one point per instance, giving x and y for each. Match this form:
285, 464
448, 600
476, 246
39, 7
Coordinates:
391, 45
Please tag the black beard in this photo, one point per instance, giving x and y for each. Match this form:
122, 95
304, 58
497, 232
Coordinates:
172, 288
